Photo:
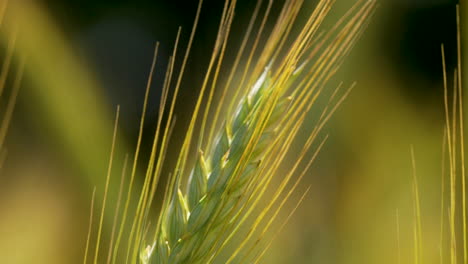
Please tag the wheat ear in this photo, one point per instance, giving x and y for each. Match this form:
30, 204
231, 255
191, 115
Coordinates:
214, 191
227, 179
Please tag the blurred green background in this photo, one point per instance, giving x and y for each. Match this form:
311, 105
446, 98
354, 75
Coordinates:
85, 57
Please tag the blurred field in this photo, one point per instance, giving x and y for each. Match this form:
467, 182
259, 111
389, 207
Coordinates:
84, 58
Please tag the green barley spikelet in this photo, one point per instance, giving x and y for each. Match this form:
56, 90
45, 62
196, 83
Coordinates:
215, 193
220, 180
215, 189
225, 178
